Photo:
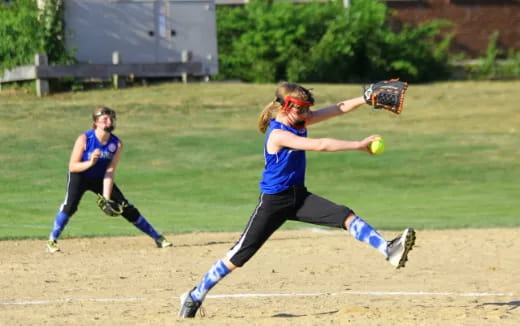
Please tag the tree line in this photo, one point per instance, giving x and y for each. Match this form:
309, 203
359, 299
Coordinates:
265, 41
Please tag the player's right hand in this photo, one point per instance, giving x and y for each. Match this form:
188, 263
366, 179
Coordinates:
366, 142
95, 156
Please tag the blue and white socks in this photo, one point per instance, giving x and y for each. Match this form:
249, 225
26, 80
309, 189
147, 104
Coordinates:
358, 228
215, 274
362, 231
60, 221
143, 225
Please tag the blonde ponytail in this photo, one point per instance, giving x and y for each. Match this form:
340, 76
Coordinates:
266, 116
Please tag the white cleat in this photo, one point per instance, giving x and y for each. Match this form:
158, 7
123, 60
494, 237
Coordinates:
162, 242
399, 248
52, 246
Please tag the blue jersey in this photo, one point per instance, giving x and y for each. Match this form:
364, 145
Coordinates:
285, 168
108, 151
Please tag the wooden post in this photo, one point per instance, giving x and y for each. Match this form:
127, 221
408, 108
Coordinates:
42, 85
185, 58
116, 59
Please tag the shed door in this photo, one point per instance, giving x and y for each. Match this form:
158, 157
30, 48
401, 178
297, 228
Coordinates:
190, 26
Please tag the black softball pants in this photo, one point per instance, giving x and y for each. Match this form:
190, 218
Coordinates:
77, 184
295, 203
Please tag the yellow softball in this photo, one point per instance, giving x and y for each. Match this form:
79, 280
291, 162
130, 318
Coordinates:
377, 146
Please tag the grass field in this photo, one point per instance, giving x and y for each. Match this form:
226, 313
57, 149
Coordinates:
193, 157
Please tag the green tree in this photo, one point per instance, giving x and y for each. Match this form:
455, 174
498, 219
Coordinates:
21, 35
25, 30
53, 19
266, 37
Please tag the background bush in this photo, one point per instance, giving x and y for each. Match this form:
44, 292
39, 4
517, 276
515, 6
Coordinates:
495, 64
325, 42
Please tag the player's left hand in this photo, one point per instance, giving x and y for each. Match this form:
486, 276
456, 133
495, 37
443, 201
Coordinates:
109, 207
387, 94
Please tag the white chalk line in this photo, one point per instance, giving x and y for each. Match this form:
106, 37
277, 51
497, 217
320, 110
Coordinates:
369, 293
271, 295
69, 300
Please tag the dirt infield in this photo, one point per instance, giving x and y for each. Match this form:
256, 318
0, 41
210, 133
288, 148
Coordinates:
455, 277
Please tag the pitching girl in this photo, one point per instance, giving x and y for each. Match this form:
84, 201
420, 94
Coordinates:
92, 166
283, 195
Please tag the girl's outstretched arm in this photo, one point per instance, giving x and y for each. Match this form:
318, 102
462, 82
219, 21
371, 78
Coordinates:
335, 110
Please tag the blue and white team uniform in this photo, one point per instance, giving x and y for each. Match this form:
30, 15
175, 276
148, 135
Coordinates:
108, 150
283, 196
92, 180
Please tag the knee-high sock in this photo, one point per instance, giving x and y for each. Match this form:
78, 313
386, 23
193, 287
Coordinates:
215, 274
362, 231
60, 221
143, 225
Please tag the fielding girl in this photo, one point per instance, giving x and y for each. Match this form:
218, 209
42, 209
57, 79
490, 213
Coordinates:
92, 166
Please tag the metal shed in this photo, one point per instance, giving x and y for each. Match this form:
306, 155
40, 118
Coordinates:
143, 31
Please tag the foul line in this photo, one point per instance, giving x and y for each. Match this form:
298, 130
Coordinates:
68, 300
371, 293
271, 295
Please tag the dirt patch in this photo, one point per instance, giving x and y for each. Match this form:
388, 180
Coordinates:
455, 277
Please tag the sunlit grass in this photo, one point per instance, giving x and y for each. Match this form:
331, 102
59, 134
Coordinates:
193, 157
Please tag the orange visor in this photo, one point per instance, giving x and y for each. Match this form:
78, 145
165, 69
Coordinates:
289, 99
